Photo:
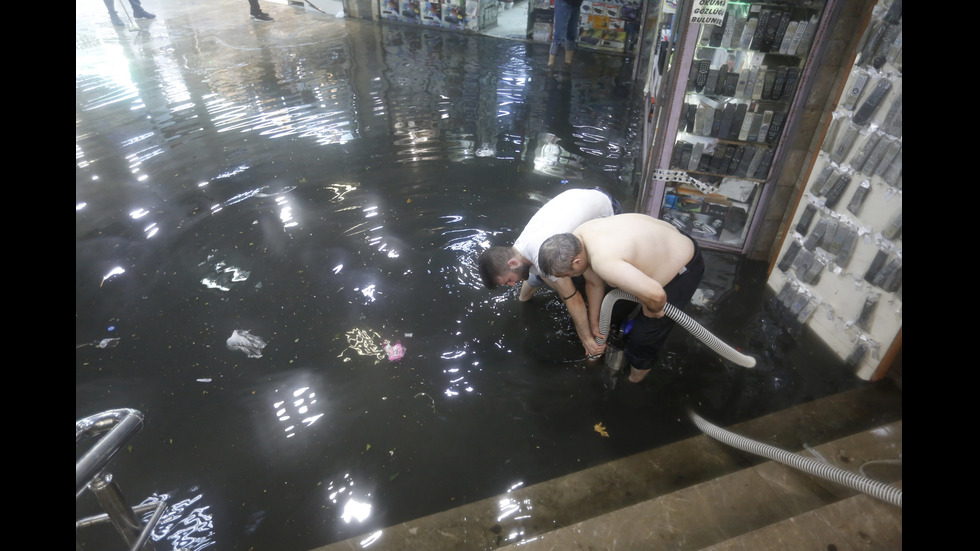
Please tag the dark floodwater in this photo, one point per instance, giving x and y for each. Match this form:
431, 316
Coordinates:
328, 192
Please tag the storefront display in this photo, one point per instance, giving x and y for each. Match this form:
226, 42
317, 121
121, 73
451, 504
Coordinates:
839, 269
454, 14
612, 26
737, 85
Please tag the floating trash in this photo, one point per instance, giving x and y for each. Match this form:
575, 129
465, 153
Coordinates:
104, 343
372, 344
394, 351
245, 341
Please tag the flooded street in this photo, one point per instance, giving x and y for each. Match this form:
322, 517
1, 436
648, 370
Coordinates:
276, 235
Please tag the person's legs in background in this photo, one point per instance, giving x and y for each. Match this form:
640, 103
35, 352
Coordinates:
571, 31
113, 16
139, 12
256, 12
559, 31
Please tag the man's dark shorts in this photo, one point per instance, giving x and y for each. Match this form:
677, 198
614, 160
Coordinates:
648, 335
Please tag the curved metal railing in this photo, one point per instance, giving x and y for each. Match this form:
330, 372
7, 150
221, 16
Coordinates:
120, 424
116, 427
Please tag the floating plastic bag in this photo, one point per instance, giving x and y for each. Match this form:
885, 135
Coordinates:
248, 343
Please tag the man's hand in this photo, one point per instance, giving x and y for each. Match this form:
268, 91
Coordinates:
593, 349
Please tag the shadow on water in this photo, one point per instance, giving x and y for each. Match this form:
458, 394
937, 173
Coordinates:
328, 192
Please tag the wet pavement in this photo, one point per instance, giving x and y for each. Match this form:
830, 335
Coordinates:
264, 210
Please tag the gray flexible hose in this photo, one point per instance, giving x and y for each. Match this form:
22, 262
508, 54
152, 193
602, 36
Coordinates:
682, 319
874, 488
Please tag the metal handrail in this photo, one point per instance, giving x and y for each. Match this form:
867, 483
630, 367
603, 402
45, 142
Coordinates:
122, 425
119, 426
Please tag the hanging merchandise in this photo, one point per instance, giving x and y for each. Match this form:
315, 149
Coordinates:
610, 25
735, 92
844, 246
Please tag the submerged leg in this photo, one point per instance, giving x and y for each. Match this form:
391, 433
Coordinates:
637, 375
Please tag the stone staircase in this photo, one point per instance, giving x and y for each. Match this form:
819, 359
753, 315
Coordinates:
699, 493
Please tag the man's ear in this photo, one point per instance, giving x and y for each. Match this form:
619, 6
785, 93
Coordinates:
513, 263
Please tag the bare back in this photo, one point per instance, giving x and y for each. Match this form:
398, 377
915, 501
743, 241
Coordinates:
649, 245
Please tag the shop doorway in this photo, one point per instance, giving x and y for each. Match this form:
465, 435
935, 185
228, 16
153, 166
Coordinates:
512, 20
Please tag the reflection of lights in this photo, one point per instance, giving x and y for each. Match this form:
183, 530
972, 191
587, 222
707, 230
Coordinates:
370, 211
80, 206
507, 507
225, 276
364, 343
286, 215
113, 272
356, 510
301, 405
370, 539
338, 268
182, 526
138, 213
341, 190
515, 509
151, 230
457, 383
367, 292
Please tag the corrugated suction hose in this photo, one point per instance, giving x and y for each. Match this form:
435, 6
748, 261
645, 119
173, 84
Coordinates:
874, 488
679, 317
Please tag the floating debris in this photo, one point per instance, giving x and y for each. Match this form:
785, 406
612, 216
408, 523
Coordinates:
245, 341
395, 351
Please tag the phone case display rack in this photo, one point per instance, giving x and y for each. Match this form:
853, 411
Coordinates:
610, 26
840, 270
460, 15
742, 83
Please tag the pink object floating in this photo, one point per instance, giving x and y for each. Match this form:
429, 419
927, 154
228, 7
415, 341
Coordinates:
394, 351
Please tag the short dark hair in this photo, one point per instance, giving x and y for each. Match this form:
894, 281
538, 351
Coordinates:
493, 264
557, 252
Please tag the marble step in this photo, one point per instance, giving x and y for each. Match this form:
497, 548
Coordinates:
607, 492
768, 506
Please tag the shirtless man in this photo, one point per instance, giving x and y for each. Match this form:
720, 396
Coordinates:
644, 256
509, 265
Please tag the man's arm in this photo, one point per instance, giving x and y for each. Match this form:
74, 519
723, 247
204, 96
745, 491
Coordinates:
595, 289
625, 276
575, 303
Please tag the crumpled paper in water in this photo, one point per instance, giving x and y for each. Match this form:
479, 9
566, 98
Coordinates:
245, 341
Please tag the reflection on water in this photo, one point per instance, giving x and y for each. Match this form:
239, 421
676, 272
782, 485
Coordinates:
186, 523
320, 192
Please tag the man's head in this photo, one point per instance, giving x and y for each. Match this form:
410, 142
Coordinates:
561, 255
500, 266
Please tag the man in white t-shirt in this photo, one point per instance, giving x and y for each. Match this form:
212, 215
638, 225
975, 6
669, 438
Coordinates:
509, 265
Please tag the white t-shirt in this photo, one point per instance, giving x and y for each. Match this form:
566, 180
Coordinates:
564, 213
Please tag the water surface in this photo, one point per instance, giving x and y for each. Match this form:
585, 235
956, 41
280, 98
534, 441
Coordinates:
326, 188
